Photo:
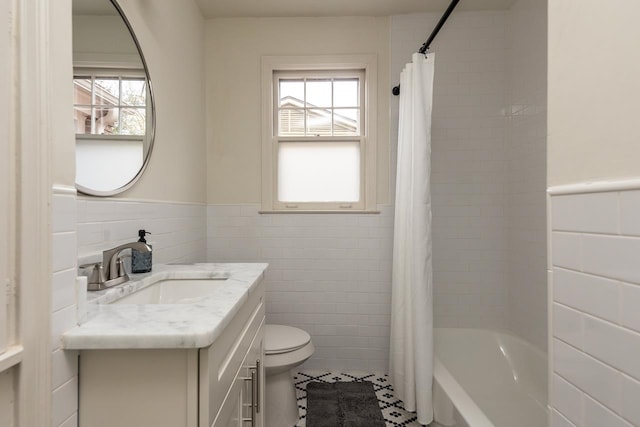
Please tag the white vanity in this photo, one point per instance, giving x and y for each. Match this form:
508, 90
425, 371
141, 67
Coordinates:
191, 356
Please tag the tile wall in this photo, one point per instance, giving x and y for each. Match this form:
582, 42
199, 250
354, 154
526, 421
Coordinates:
595, 246
526, 171
82, 228
489, 157
469, 161
178, 230
63, 307
329, 274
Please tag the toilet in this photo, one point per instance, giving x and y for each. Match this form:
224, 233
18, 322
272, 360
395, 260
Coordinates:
286, 347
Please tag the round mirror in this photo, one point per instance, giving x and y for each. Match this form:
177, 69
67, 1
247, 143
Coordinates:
113, 111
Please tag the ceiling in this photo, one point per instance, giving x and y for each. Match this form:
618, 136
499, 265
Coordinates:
288, 8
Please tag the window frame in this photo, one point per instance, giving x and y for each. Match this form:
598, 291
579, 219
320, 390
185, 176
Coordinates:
336, 66
96, 73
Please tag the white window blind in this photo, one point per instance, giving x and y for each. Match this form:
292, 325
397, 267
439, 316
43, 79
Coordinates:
319, 172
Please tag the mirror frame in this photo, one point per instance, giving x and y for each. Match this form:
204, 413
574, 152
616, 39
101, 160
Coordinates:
152, 132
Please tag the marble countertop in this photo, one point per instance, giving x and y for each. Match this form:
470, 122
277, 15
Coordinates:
147, 326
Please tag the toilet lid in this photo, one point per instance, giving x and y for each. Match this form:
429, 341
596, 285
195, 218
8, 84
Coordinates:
281, 339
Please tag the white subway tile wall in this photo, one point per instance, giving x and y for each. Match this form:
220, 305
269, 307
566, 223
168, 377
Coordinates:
83, 228
329, 274
527, 174
178, 230
63, 305
488, 157
596, 295
469, 161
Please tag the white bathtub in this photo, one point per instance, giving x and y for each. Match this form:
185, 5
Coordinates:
485, 378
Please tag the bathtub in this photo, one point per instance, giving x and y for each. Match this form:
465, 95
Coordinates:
485, 378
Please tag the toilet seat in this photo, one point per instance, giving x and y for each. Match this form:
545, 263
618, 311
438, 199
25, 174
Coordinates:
284, 339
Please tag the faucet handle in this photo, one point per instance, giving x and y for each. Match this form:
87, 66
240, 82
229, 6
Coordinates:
122, 272
90, 264
97, 277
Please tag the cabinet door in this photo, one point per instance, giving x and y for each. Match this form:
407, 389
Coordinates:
231, 412
244, 401
253, 392
224, 361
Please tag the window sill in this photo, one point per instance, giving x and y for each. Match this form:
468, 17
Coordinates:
312, 211
11, 357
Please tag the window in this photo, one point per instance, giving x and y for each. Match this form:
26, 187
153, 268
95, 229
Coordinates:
109, 103
111, 119
318, 145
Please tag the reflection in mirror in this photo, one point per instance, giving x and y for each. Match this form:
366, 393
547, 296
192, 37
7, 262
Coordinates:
113, 103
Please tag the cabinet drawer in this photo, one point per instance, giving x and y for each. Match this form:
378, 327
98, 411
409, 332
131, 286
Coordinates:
220, 363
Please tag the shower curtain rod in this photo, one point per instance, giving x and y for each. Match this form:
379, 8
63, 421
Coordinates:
434, 33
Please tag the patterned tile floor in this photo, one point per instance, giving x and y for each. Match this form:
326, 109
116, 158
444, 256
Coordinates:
392, 410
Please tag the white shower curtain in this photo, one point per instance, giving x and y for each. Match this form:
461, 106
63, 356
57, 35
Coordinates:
411, 352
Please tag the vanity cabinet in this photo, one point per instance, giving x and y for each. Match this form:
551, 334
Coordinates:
218, 386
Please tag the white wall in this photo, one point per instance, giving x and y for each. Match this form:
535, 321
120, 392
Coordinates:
234, 48
63, 306
63, 262
469, 162
63, 155
593, 87
596, 299
7, 54
329, 274
7, 399
178, 230
172, 38
593, 136
103, 39
488, 156
526, 176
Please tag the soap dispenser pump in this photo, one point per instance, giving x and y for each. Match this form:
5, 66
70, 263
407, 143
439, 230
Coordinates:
141, 261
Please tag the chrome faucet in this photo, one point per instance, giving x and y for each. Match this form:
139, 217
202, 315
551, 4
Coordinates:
111, 271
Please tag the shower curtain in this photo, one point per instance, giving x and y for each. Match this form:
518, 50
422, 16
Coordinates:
411, 347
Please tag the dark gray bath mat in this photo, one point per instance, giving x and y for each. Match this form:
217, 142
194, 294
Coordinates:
343, 404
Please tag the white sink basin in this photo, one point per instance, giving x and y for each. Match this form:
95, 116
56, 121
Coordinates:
175, 291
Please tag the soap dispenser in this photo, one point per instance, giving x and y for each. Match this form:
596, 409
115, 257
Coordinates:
141, 261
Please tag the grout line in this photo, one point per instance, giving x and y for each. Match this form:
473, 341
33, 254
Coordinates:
600, 276
591, 356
